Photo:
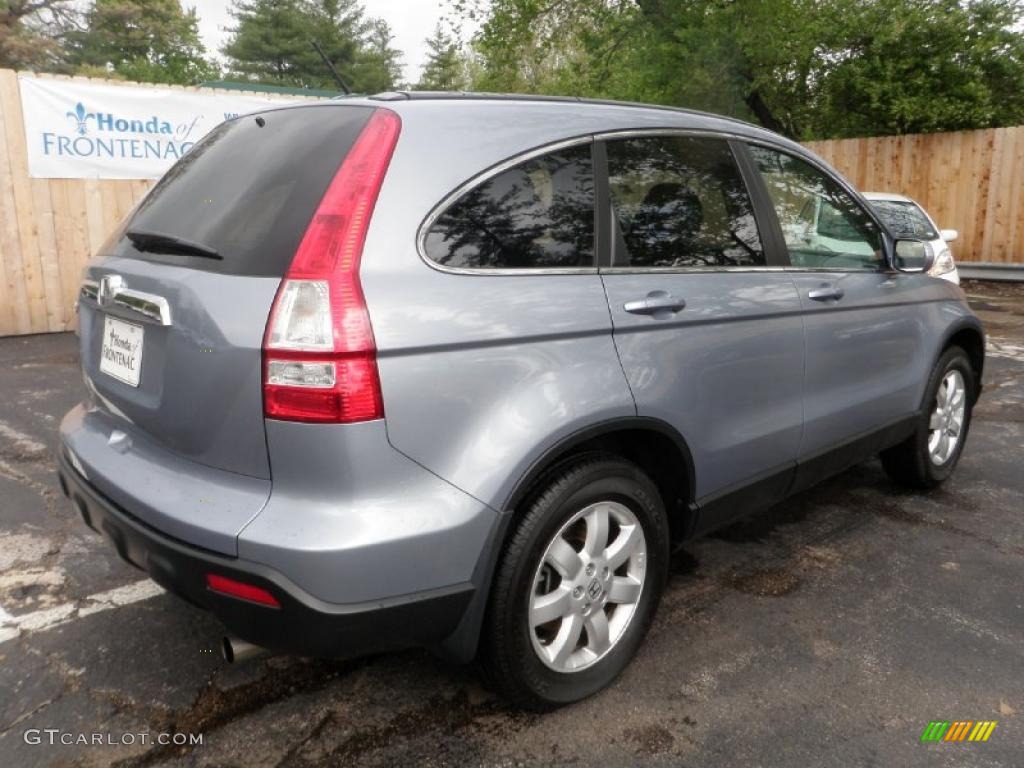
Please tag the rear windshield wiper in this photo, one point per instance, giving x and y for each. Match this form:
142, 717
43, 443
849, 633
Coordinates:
155, 242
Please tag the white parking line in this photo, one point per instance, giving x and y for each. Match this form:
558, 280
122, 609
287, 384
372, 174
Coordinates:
1003, 349
38, 621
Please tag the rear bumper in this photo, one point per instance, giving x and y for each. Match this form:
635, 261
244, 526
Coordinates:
303, 624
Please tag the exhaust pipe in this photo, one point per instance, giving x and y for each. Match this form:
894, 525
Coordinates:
234, 650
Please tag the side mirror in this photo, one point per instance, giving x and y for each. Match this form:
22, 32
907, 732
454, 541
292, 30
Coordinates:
912, 256
949, 235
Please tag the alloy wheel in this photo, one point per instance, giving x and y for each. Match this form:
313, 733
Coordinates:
947, 419
587, 586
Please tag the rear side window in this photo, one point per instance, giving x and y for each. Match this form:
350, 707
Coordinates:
249, 189
538, 214
680, 202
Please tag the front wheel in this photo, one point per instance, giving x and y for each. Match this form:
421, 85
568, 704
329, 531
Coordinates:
578, 584
929, 456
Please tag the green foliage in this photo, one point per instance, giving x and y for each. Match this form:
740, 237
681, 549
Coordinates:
446, 66
153, 41
929, 66
272, 43
378, 64
806, 68
31, 32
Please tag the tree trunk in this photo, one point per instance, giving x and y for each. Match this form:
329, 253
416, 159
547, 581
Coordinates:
764, 115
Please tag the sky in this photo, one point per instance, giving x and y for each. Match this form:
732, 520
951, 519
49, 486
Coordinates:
411, 21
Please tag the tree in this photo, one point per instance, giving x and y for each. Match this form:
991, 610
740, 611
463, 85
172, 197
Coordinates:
445, 67
272, 42
918, 67
545, 47
31, 32
836, 68
153, 41
806, 68
378, 65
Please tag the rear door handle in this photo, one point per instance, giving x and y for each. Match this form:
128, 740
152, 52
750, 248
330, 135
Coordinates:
826, 293
656, 302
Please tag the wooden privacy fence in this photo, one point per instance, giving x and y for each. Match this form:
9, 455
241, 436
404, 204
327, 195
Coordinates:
50, 227
969, 181
972, 181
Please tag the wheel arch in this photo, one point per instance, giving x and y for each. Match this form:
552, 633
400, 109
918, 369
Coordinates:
654, 445
969, 336
651, 443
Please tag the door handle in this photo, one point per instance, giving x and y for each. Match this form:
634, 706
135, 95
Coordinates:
656, 302
826, 293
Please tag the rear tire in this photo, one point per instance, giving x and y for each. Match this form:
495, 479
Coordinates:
577, 585
929, 456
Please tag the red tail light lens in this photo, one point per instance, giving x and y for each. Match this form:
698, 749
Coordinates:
319, 356
225, 586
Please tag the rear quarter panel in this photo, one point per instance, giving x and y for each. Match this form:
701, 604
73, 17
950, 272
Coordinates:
480, 373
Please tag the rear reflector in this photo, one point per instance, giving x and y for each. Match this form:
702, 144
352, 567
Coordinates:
225, 586
319, 356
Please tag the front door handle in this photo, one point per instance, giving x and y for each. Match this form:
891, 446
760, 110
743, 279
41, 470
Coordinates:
826, 293
655, 303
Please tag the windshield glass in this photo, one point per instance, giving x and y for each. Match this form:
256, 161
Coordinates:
905, 219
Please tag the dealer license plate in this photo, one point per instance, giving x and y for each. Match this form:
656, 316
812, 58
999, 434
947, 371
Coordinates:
121, 350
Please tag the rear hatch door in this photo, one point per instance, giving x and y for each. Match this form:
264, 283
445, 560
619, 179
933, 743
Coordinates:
174, 308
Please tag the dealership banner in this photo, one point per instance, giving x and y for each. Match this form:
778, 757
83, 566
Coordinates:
82, 130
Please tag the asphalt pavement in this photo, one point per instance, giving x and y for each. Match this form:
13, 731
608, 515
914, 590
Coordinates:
827, 632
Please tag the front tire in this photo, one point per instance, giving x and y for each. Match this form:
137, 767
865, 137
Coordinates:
578, 584
928, 457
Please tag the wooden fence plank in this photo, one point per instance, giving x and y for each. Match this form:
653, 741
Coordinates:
14, 307
46, 233
17, 152
64, 239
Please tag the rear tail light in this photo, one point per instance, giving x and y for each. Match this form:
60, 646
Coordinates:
319, 356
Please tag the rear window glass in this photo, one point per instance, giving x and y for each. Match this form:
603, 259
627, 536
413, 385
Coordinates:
249, 189
538, 214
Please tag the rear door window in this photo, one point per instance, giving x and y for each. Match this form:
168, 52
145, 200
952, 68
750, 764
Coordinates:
249, 189
538, 214
680, 202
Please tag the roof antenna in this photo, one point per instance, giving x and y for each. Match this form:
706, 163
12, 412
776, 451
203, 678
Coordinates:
330, 66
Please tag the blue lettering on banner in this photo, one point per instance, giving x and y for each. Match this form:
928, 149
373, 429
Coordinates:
107, 121
153, 146
81, 130
55, 145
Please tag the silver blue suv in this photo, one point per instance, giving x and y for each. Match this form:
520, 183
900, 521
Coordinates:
458, 372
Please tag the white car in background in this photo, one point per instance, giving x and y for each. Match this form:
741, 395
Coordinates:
905, 218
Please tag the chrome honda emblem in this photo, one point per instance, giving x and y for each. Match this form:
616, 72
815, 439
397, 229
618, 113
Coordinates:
108, 288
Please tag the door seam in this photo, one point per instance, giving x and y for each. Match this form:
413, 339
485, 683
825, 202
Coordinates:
615, 345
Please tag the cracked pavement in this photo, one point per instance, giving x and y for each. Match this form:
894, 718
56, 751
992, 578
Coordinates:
827, 631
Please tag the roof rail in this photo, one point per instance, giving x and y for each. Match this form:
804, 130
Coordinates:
484, 96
